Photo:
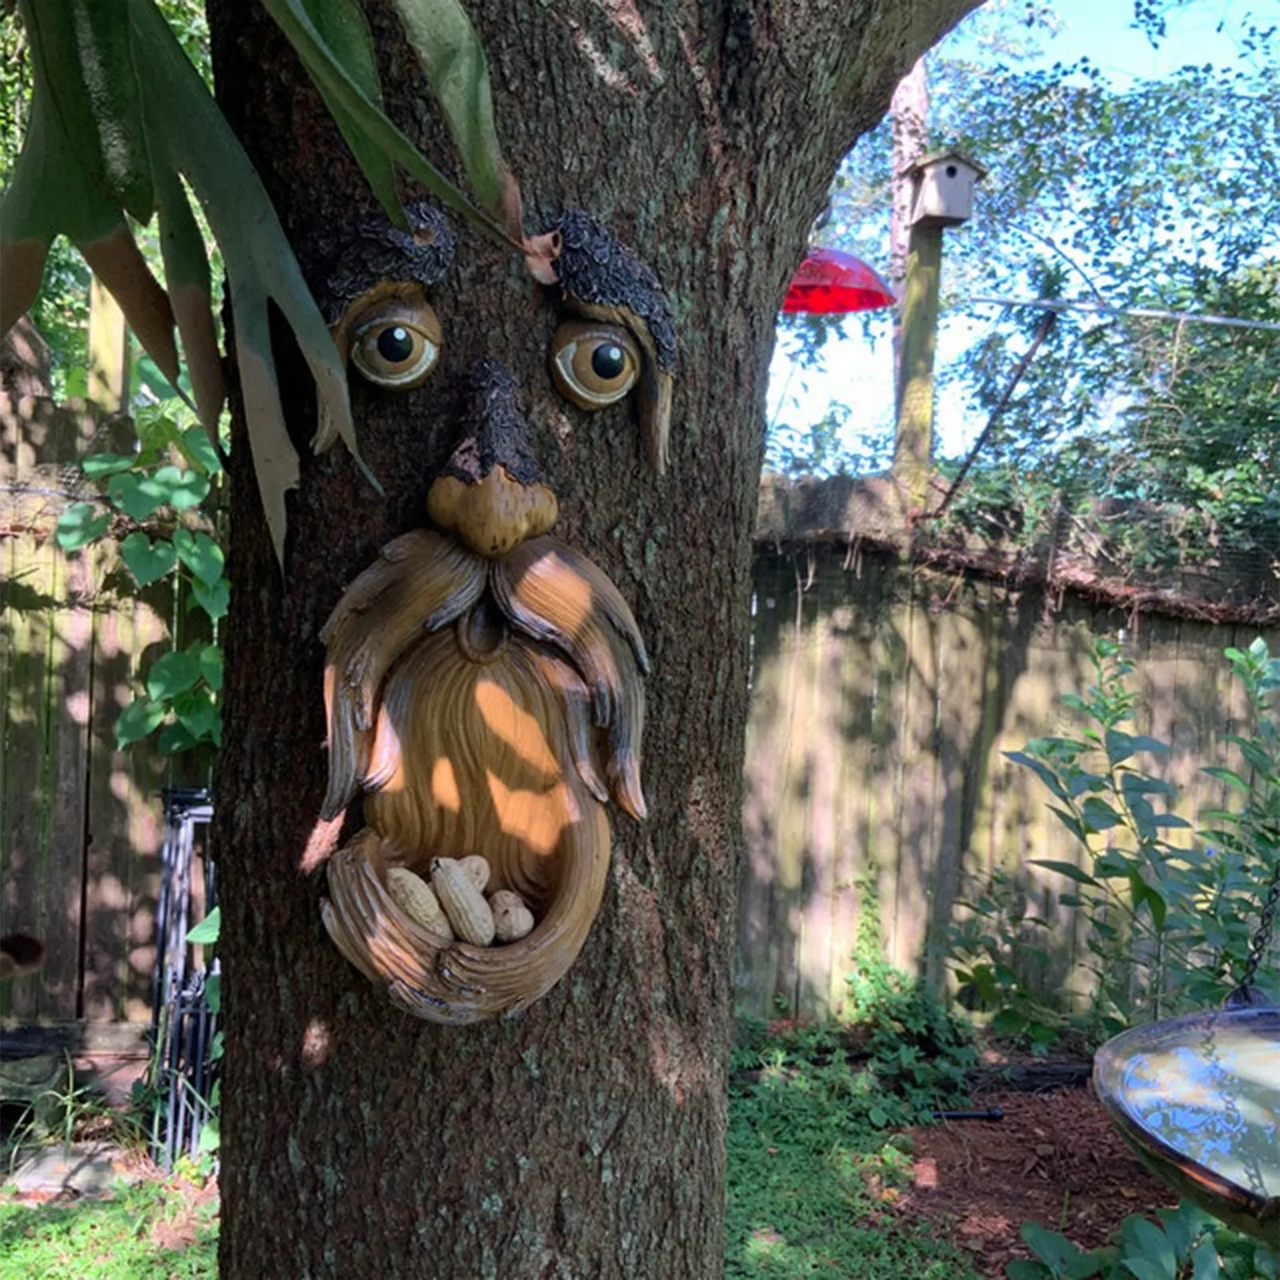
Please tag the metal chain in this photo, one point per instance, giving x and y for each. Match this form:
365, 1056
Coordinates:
1261, 939
1228, 1086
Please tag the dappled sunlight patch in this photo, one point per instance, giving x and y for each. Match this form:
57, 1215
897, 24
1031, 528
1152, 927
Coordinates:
315, 1044
110, 893
320, 843
516, 727
444, 785
536, 819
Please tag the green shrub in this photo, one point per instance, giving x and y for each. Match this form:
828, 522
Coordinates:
1168, 917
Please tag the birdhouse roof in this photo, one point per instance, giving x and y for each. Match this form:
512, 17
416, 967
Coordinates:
937, 157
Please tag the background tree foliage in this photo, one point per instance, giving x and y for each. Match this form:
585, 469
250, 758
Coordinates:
1154, 196
61, 311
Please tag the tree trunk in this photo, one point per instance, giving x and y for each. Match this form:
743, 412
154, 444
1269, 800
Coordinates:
584, 1138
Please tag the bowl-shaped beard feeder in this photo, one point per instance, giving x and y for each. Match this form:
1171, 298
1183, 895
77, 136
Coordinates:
483, 689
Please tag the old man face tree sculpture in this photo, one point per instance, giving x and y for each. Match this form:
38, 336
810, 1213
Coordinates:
483, 679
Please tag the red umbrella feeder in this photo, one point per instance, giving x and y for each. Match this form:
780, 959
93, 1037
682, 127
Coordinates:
831, 282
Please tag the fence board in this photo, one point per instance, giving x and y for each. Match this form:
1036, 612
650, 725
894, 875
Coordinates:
68, 676
23, 837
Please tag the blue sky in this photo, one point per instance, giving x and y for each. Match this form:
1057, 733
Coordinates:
858, 371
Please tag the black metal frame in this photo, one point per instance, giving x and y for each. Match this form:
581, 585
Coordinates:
182, 1073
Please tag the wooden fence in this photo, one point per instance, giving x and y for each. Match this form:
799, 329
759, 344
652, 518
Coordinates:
883, 699
80, 823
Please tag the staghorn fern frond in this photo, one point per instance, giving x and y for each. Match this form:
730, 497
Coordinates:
120, 119
342, 75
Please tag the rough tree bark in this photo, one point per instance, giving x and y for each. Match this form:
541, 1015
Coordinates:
585, 1138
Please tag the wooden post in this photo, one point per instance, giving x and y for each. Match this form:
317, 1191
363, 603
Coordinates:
108, 351
914, 441
908, 115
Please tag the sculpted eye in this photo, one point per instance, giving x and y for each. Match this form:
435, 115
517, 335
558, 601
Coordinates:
395, 344
593, 364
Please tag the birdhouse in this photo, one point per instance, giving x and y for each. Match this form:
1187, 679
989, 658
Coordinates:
942, 189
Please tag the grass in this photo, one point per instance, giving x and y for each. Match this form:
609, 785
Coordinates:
812, 1180
125, 1238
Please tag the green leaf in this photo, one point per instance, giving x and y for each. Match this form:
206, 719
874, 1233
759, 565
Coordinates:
1139, 784
1144, 817
171, 674
1071, 822
1021, 1269
174, 739
147, 561
77, 383
1141, 892
1120, 746
1229, 776
186, 266
1112, 863
182, 489
210, 657
86, 65
137, 720
215, 599
1147, 1251
1041, 770
342, 28
202, 717
80, 524
187, 132
446, 44
1079, 781
198, 449
133, 496
48, 193
107, 464
1204, 1261
200, 554
1068, 869
1253, 753
210, 1137
336, 84
1051, 1247
1009, 1022
149, 376
1219, 815
208, 930
1098, 815
213, 992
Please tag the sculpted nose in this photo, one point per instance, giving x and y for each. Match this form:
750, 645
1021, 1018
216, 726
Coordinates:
491, 492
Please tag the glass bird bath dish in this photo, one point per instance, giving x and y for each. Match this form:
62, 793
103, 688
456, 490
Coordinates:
1198, 1099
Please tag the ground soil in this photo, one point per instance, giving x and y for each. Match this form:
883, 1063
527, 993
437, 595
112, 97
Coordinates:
1054, 1158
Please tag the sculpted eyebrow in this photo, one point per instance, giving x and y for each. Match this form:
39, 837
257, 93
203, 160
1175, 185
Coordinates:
382, 252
